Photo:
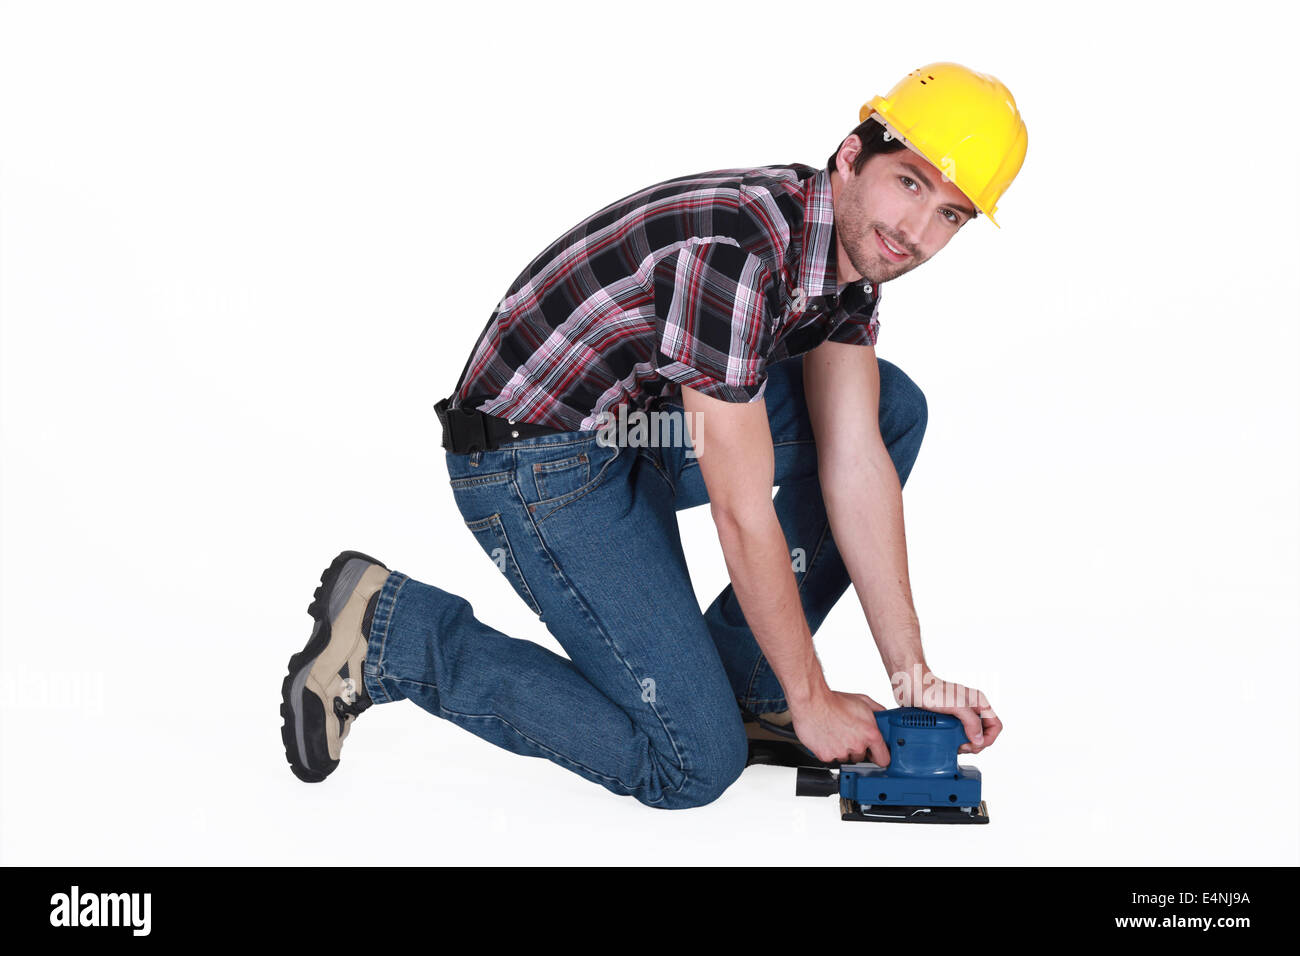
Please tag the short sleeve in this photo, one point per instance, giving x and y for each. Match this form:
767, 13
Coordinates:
713, 333
859, 329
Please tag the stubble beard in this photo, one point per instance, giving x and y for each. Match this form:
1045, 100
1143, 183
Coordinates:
858, 237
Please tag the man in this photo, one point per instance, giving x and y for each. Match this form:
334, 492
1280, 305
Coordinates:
740, 306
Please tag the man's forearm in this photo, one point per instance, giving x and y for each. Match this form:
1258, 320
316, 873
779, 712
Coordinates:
759, 564
864, 502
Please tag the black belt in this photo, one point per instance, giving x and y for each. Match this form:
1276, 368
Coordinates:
465, 430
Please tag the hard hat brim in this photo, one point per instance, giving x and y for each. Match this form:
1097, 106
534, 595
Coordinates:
869, 112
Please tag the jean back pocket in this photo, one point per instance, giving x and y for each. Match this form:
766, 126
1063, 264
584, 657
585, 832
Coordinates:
554, 479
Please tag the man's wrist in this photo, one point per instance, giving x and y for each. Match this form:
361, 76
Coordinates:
905, 664
900, 648
807, 690
908, 681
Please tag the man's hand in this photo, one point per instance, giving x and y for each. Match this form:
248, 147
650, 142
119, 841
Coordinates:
840, 727
967, 704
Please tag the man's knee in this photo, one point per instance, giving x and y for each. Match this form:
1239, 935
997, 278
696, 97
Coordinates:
725, 769
712, 765
901, 399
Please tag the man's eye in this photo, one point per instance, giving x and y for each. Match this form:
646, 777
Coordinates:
907, 179
953, 217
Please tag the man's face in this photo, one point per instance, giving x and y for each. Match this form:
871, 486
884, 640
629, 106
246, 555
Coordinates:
900, 200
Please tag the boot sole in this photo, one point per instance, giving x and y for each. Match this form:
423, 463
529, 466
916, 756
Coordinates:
302, 710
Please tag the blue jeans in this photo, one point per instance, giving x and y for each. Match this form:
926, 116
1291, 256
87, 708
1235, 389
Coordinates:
646, 704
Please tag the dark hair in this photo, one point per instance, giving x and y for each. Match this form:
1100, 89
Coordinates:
872, 133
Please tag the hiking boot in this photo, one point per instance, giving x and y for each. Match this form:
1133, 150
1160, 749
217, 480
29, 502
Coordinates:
772, 741
778, 725
324, 691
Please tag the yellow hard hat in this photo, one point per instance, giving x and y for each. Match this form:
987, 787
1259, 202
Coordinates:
965, 123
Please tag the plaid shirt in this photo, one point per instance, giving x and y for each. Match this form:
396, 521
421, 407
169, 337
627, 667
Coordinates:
704, 280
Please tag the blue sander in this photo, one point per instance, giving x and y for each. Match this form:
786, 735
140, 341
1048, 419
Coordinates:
923, 782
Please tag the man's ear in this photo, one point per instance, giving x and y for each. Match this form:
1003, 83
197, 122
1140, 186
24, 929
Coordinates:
850, 141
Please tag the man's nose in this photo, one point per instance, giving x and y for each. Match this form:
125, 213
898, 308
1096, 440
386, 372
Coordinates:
910, 230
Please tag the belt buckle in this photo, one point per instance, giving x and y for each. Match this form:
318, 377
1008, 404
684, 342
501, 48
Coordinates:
463, 430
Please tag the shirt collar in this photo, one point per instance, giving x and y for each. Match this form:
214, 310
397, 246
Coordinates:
818, 267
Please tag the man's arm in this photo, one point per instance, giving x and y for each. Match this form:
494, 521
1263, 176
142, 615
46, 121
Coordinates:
737, 464
864, 503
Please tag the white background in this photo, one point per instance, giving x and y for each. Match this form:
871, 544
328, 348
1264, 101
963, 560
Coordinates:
246, 246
